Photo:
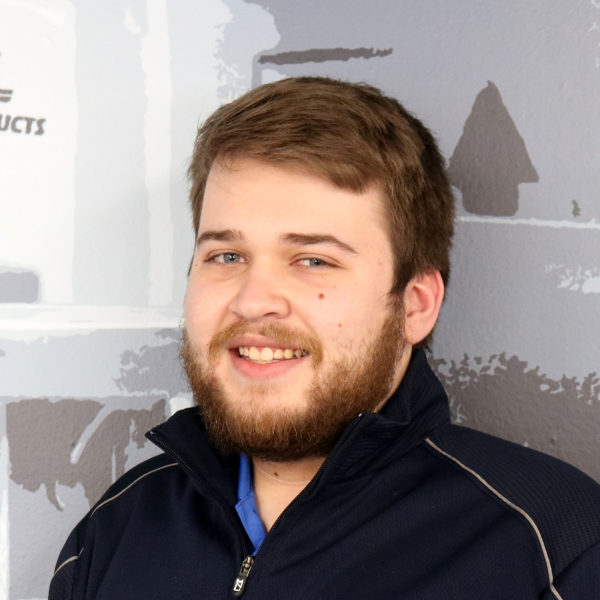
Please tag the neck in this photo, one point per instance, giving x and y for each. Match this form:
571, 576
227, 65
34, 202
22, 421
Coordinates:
276, 484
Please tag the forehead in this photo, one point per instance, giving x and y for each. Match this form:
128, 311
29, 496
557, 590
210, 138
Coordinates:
247, 194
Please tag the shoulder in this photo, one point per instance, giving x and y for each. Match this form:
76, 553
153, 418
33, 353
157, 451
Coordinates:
560, 503
155, 471
158, 472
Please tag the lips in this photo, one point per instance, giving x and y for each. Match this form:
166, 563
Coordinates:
266, 351
268, 354
260, 356
257, 368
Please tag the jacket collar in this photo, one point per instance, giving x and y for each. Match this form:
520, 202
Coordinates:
372, 440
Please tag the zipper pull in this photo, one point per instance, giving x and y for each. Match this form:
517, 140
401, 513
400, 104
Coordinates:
239, 585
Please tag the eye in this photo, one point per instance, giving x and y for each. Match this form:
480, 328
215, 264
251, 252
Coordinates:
313, 262
226, 258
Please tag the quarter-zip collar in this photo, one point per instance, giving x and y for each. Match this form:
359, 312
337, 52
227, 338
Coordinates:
371, 441
184, 438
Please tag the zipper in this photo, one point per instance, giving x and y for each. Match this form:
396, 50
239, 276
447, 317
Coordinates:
239, 584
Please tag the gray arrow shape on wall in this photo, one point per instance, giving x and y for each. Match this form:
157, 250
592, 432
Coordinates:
490, 159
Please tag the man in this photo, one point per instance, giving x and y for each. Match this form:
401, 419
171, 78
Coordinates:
321, 462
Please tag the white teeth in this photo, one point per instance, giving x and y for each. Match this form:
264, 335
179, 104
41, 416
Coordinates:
268, 355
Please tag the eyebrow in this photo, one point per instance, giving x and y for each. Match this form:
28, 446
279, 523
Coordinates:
298, 239
222, 235
310, 239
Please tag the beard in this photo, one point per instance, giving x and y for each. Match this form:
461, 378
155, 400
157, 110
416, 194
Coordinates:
336, 396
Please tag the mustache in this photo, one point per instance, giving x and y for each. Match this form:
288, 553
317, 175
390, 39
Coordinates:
285, 337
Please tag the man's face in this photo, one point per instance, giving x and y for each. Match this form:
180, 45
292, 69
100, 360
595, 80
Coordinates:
289, 328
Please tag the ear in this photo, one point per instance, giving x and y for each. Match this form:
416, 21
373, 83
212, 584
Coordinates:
423, 297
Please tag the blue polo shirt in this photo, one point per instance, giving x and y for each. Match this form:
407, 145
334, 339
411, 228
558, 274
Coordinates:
246, 505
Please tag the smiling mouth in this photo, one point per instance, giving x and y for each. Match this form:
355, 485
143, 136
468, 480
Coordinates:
268, 355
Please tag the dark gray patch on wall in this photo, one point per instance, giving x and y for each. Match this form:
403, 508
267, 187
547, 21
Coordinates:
317, 55
19, 286
43, 435
152, 368
505, 397
490, 159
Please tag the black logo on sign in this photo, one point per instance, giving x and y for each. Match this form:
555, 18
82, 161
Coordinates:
19, 123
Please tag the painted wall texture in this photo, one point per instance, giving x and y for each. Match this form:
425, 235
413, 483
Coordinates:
99, 104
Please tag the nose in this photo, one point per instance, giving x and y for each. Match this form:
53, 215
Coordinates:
260, 295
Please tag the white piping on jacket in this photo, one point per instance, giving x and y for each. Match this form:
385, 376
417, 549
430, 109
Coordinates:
66, 562
72, 558
131, 484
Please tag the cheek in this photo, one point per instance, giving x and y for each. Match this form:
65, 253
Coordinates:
338, 325
349, 323
193, 321
200, 312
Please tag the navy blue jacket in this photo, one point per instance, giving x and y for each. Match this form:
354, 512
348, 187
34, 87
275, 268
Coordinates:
406, 506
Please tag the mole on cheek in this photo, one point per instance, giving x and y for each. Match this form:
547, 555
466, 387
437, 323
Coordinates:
339, 324
321, 296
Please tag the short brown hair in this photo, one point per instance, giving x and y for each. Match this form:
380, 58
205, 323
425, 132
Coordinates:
354, 136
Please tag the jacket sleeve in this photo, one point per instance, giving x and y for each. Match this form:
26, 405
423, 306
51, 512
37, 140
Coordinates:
61, 584
580, 580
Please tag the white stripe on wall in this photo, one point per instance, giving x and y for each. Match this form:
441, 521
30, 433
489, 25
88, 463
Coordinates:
16, 319
156, 59
532, 222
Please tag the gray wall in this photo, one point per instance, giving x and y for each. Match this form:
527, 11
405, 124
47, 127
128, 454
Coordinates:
95, 236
